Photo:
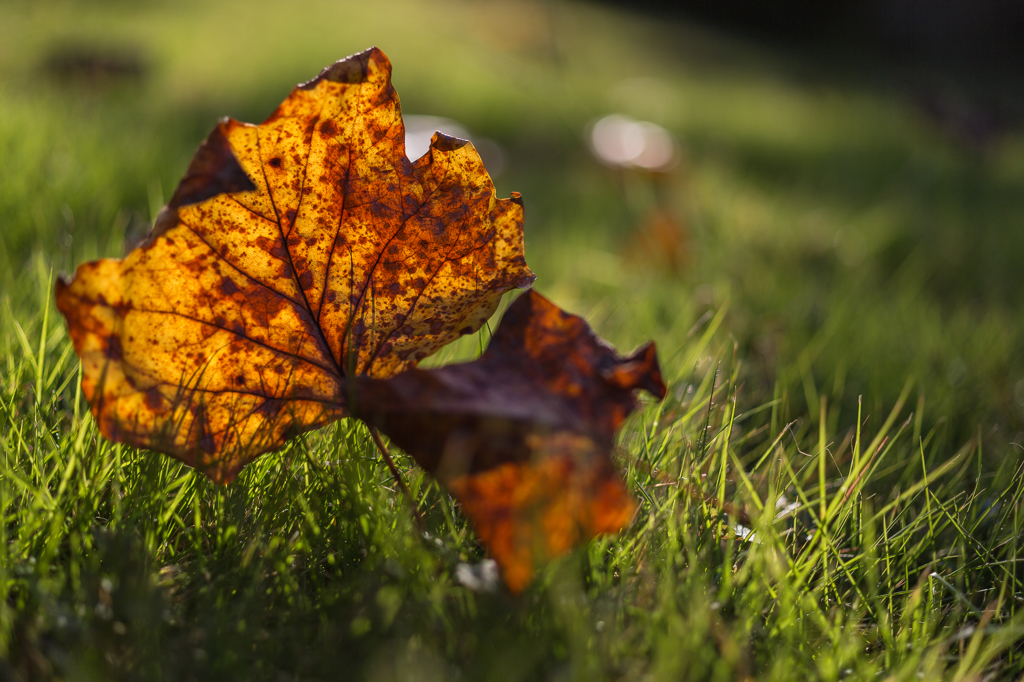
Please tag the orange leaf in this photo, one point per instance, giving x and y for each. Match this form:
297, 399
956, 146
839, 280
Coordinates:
293, 256
522, 436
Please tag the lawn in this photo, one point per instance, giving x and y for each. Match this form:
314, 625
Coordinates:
831, 490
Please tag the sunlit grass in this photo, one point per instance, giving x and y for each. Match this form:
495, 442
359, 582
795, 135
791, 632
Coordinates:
767, 544
832, 489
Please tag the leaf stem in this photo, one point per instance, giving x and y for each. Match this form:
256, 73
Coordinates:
379, 442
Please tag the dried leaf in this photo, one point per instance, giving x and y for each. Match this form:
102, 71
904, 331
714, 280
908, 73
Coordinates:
522, 436
293, 256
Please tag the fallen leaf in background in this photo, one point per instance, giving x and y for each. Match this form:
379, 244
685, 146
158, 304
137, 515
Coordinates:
659, 240
522, 436
293, 256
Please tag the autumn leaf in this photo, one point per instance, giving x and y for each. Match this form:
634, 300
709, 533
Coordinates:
522, 436
294, 256
301, 270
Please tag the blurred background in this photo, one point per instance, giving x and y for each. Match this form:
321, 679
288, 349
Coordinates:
847, 181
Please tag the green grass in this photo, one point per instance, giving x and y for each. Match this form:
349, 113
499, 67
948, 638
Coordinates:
832, 489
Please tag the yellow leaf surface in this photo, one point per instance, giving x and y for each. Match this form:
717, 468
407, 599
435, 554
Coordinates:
293, 256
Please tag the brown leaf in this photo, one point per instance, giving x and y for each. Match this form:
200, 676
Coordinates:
522, 436
293, 256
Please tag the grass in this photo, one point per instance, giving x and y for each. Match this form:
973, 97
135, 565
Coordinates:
831, 490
